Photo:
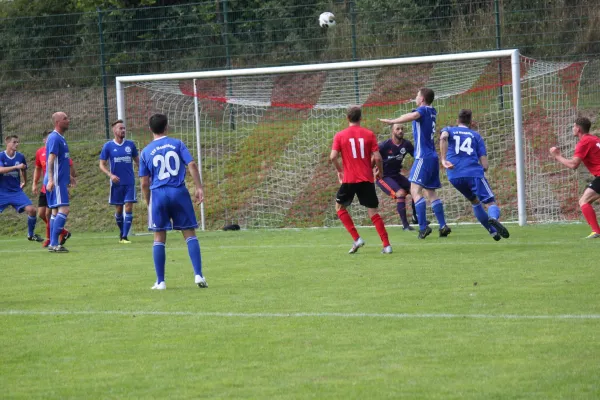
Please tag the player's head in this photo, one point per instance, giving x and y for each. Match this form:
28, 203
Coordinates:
118, 128
425, 96
582, 126
397, 131
45, 135
61, 121
465, 116
158, 123
12, 142
354, 114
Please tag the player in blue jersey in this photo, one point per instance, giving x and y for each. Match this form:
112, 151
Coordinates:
425, 173
58, 179
464, 156
12, 180
162, 175
393, 183
120, 154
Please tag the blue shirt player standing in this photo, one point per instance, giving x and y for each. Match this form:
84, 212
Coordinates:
12, 170
57, 179
162, 174
464, 156
120, 154
425, 173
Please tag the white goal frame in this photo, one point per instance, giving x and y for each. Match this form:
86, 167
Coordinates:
516, 94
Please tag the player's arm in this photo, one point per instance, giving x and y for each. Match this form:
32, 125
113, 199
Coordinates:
103, 164
408, 117
444, 135
572, 163
73, 174
23, 173
50, 184
195, 174
5, 170
145, 184
335, 160
484, 163
376, 158
37, 174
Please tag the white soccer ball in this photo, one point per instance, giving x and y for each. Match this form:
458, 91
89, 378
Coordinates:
326, 20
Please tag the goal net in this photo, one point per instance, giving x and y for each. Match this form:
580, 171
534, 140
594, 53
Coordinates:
263, 136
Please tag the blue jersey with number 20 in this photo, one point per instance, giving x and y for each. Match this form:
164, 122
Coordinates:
164, 161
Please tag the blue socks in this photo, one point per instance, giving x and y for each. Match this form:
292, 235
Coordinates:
159, 254
31, 225
482, 217
421, 207
438, 209
127, 224
194, 252
57, 227
494, 211
119, 219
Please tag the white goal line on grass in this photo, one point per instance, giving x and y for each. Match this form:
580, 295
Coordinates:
304, 315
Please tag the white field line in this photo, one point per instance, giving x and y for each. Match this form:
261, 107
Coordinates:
8, 313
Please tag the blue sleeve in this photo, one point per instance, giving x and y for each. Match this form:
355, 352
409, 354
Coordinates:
23, 159
52, 146
1, 159
185, 154
143, 171
134, 150
104, 153
482, 151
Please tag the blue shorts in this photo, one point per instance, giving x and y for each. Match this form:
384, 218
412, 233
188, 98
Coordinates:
18, 200
473, 188
425, 172
391, 184
121, 194
171, 208
58, 197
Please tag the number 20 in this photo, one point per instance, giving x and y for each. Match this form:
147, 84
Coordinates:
165, 170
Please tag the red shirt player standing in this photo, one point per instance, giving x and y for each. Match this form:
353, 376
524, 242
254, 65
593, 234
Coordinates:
588, 152
359, 150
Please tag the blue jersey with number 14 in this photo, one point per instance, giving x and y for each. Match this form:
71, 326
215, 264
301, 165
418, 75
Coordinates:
164, 161
465, 146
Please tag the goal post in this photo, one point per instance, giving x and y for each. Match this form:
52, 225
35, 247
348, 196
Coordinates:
262, 135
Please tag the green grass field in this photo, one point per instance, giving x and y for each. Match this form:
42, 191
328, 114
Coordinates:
290, 315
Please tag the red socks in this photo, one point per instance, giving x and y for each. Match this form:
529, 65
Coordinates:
590, 217
380, 227
348, 223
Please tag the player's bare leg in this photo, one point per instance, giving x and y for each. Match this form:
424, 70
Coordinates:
588, 197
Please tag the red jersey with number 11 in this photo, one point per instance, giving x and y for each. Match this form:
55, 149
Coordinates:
588, 150
356, 145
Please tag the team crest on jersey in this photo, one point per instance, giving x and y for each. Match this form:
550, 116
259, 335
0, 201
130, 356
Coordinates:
403, 151
127, 149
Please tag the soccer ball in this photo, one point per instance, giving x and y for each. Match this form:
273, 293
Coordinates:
326, 20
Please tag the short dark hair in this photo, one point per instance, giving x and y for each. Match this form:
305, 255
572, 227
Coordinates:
158, 123
46, 133
354, 114
10, 137
428, 95
119, 121
465, 116
584, 123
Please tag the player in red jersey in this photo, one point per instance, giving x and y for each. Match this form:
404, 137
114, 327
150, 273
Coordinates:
358, 149
39, 172
587, 152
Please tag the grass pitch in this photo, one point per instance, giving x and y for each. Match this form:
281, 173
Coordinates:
290, 315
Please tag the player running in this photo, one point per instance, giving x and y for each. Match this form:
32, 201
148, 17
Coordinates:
587, 152
464, 155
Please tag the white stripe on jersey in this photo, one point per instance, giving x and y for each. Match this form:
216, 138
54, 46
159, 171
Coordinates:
417, 169
418, 140
487, 187
56, 183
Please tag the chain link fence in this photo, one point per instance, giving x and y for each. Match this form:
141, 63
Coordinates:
68, 62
